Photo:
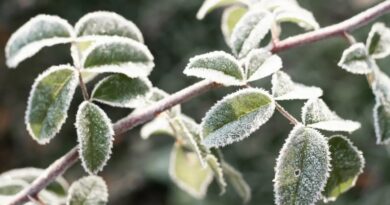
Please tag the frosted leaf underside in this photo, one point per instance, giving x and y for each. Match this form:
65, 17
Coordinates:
91, 190
238, 182
121, 91
296, 14
38, 32
210, 5
236, 116
355, 59
49, 101
347, 164
95, 135
283, 88
230, 18
302, 167
216, 66
260, 64
316, 114
378, 41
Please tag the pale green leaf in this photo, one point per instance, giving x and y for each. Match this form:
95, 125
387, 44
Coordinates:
283, 88
187, 172
157, 95
210, 5
10, 187
236, 116
250, 31
347, 164
216, 66
216, 167
355, 60
381, 115
104, 23
260, 64
40, 31
316, 114
90, 190
118, 55
381, 85
296, 14
378, 41
49, 101
230, 18
95, 135
238, 182
158, 126
302, 167
121, 91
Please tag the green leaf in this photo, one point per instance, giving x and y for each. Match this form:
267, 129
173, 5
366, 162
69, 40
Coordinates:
118, 90
90, 190
283, 88
237, 181
10, 187
260, 64
250, 31
381, 115
302, 167
230, 18
95, 135
347, 164
316, 114
355, 60
157, 95
216, 66
118, 55
104, 23
381, 85
236, 116
49, 101
210, 5
40, 31
158, 126
187, 172
378, 41
216, 167
296, 14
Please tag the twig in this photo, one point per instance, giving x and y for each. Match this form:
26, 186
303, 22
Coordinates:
286, 114
58, 167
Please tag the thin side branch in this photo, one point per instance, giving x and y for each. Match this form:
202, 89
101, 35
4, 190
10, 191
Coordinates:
286, 114
61, 165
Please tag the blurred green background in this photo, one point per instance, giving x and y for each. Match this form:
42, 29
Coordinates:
138, 170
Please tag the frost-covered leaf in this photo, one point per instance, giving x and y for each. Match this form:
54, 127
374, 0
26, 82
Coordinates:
230, 18
157, 95
236, 116
355, 59
283, 88
49, 101
381, 85
10, 187
121, 91
378, 41
216, 66
104, 23
238, 182
28, 175
95, 135
316, 114
158, 126
210, 5
382, 122
347, 164
296, 14
216, 167
38, 32
90, 190
118, 55
187, 172
250, 31
260, 64
302, 167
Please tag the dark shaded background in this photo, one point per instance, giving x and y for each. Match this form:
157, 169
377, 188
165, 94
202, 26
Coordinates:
137, 172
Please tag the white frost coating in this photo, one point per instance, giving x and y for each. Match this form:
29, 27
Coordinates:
240, 128
158, 125
82, 129
230, 17
303, 147
355, 59
199, 194
250, 31
316, 114
72, 88
131, 69
129, 25
263, 63
32, 48
208, 71
283, 88
88, 190
382, 49
302, 17
209, 5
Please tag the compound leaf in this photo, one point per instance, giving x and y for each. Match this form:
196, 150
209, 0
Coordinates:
355, 59
90, 190
260, 64
230, 18
302, 167
49, 101
95, 135
40, 31
378, 41
236, 116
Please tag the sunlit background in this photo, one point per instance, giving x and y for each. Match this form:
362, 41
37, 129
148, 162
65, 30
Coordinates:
138, 170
